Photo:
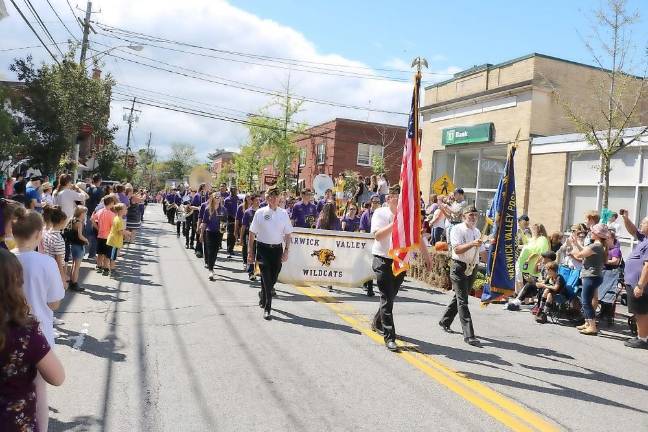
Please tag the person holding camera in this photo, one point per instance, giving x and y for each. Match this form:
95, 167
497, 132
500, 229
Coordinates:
467, 244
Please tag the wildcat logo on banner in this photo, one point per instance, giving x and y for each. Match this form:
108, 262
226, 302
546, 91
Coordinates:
500, 269
328, 257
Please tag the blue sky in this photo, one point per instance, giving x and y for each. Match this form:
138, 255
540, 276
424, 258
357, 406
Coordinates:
450, 33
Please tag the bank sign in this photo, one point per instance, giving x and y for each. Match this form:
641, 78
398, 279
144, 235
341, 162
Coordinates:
328, 258
467, 134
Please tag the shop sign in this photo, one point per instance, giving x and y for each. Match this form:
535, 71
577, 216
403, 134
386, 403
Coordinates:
467, 134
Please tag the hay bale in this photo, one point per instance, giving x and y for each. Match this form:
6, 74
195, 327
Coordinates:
439, 276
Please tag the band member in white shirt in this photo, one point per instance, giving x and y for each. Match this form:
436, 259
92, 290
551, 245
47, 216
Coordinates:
466, 243
271, 228
388, 284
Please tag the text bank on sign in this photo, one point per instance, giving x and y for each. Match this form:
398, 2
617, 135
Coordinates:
443, 185
328, 258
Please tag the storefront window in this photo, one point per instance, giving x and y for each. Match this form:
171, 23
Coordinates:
581, 200
624, 168
491, 167
621, 198
584, 168
443, 164
466, 169
484, 200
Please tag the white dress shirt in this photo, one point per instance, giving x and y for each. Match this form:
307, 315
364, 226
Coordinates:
380, 219
461, 234
270, 226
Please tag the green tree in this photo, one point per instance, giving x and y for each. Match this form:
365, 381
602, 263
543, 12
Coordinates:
12, 136
377, 164
182, 160
59, 100
247, 165
110, 162
619, 95
226, 172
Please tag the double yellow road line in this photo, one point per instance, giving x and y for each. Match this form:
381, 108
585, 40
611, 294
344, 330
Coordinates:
498, 406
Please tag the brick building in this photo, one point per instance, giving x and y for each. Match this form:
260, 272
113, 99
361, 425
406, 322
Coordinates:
222, 159
344, 144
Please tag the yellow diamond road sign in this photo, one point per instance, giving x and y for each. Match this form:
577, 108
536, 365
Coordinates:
443, 185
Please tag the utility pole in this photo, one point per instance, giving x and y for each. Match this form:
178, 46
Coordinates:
130, 119
82, 59
148, 155
286, 113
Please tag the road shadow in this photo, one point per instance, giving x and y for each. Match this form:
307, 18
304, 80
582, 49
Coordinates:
78, 424
457, 354
530, 350
310, 322
91, 345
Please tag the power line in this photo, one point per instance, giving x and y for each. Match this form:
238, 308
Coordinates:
293, 61
283, 66
240, 85
34, 31
33, 11
76, 19
31, 46
59, 18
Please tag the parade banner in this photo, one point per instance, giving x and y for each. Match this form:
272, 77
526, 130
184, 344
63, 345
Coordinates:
500, 273
328, 258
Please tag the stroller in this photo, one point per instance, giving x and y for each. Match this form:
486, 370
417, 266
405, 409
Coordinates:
567, 305
609, 292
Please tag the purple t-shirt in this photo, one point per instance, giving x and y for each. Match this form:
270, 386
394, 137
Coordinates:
335, 225
198, 199
351, 224
365, 221
212, 221
248, 215
239, 213
304, 215
614, 251
201, 212
24, 348
635, 262
231, 203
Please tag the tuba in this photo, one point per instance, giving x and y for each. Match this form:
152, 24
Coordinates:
199, 175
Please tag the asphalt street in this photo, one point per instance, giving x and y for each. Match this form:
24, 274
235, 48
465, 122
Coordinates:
161, 348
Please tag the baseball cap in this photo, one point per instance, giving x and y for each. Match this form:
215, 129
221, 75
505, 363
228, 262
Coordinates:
470, 209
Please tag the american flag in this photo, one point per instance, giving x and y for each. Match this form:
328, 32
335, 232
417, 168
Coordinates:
406, 233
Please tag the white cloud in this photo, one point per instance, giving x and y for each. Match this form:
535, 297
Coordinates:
220, 25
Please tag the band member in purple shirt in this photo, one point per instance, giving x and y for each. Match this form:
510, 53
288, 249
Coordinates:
328, 197
636, 280
231, 203
248, 216
198, 199
351, 221
223, 191
304, 212
213, 218
240, 210
365, 226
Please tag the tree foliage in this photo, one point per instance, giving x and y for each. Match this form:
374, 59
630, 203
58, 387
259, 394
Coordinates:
58, 101
12, 135
181, 161
619, 94
248, 164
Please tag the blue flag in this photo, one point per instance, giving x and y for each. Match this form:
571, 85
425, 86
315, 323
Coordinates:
500, 268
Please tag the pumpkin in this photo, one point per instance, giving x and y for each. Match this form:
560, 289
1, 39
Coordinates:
440, 246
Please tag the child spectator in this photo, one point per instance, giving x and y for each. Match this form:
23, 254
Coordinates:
78, 241
115, 239
553, 285
7, 210
614, 256
26, 359
53, 242
102, 222
555, 241
42, 288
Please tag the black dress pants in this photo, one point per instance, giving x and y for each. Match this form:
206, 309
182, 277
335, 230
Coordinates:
231, 237
269, 259
171, 211
461, 284
388, 285
212, 243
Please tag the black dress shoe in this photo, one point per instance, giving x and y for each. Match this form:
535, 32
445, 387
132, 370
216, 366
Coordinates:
266, 315
446, 328
391, 346
261, 305
472, 341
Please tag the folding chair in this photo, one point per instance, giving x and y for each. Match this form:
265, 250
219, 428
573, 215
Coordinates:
566, 305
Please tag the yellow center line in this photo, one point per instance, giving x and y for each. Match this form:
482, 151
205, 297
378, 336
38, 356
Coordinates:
508, 412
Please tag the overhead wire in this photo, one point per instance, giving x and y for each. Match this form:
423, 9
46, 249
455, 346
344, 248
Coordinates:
76, 19
44, 45
236, 84
59, 18
149, 37
41, 23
